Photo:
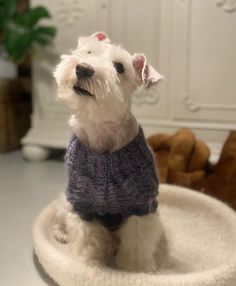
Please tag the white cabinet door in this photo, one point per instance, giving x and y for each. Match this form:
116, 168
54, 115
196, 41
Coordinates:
204, 60
191, 42
50, 118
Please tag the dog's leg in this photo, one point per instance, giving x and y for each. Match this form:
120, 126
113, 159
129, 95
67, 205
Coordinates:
138, 243
63, 207
89, 240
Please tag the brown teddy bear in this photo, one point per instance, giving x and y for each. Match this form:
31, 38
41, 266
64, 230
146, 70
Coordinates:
181, 159
221, 183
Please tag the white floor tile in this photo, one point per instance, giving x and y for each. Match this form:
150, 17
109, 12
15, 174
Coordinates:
25, 189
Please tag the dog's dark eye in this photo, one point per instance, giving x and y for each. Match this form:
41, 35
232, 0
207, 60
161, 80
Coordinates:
88, 52
119, 67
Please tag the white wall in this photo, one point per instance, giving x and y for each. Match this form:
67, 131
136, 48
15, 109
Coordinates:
191, 42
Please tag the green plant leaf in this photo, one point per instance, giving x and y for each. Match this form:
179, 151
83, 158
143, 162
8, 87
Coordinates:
20, 39
7, 9
17, 41
47, 30
43, 35
31, 16
21, 30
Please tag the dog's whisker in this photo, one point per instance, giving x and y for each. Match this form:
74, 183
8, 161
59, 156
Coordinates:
108, 86
99, 82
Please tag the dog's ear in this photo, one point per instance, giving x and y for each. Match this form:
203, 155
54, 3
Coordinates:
145, 73
101, 36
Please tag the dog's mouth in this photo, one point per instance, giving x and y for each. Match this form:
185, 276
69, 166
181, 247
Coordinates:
81, 91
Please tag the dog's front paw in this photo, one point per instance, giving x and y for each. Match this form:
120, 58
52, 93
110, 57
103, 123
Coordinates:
60, 234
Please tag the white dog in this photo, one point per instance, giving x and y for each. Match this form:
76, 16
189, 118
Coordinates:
110, 211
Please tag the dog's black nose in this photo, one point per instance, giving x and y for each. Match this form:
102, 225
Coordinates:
84, 71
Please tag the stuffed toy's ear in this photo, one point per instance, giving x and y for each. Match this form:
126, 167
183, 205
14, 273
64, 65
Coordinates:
145, 73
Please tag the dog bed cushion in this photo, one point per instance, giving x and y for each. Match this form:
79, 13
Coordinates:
197, 248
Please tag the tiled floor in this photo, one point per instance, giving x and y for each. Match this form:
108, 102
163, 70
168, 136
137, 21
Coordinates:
25, 188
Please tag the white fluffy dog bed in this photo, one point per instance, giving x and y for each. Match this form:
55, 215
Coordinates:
198, 246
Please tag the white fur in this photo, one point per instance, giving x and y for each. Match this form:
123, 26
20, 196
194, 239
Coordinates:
138, 243
197, 247
134, 245
104, 122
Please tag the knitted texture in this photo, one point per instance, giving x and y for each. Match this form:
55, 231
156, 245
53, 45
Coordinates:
123, 182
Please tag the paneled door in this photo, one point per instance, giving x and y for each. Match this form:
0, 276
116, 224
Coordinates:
191, 42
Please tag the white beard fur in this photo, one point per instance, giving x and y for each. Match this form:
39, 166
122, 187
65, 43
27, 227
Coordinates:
105, 123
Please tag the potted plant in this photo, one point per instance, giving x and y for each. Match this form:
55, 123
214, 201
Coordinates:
20, 32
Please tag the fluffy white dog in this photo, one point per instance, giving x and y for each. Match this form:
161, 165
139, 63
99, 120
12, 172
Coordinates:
104, 216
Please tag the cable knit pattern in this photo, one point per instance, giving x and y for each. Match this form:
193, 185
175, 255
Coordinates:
123, 182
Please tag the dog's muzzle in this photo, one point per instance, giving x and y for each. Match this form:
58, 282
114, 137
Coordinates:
83, 72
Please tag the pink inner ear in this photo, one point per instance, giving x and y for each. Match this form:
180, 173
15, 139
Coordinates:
101, 36
138, 63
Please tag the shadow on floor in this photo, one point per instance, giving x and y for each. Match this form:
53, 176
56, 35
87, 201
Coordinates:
42, 273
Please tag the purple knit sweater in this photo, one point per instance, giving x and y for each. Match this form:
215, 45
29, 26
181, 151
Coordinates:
117, 185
